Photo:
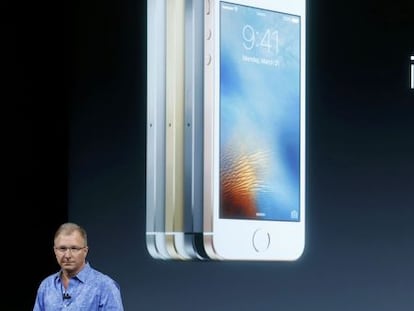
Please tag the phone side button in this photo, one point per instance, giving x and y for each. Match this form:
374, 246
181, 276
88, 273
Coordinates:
261, 240
208, 59
208, 7
209, 34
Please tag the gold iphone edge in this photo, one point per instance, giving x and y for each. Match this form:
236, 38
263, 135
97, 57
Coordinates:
174, 189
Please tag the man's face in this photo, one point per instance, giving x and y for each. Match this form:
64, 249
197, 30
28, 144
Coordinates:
70, 252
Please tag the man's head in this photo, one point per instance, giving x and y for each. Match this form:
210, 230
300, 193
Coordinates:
71, 248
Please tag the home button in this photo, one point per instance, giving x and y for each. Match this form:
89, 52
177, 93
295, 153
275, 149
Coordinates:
261, 240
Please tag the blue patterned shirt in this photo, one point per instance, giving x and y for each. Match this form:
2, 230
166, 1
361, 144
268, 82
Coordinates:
89, 290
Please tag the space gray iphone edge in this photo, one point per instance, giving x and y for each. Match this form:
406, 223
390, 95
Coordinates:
193, 149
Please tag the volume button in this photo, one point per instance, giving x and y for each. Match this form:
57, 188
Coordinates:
208, 59
208, 7
208, 34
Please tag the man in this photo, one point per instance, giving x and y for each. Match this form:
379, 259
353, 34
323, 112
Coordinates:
77, 286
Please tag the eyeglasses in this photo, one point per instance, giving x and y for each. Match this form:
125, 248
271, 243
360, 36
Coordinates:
73, 250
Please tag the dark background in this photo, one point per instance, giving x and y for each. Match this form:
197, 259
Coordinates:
76, 83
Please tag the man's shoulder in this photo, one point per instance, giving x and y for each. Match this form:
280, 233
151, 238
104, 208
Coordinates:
50, 279
100, 276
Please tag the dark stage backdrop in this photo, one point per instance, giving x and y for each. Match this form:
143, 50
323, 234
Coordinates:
360, 202
36, 79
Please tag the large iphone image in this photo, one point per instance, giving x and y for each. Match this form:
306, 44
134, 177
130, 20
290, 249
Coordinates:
255, 199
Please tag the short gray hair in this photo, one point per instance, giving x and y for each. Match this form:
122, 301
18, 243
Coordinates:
70, 227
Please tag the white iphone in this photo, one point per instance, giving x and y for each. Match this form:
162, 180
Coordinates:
155, 162
255, 131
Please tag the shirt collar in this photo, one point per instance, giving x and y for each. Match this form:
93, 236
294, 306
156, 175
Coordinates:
81, 276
